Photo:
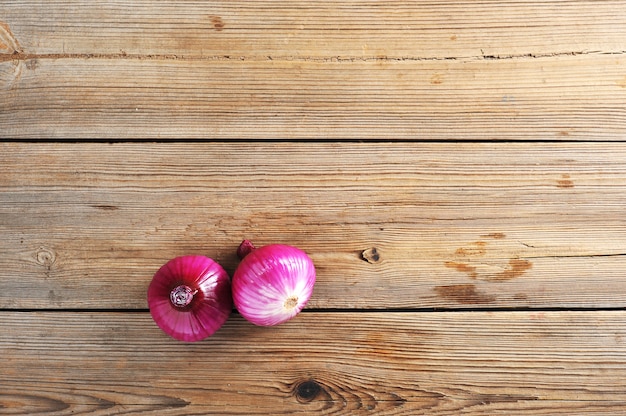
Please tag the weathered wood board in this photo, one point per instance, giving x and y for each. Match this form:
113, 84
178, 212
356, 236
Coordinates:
387, 225
472, 363
456, 170
357, 70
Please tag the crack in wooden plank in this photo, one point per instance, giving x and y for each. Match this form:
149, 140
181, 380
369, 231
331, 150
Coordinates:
18, 55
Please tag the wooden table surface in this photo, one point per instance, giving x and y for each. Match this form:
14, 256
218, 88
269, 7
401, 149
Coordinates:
455, 169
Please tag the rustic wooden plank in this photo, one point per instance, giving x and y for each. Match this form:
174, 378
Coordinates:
391, 225
534, 363
559, 98
402, 70
323, 29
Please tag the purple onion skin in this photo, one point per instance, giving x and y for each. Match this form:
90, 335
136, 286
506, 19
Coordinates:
190, 297
273, 283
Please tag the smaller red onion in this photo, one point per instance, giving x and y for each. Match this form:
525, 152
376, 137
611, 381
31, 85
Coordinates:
190, 298
272, 283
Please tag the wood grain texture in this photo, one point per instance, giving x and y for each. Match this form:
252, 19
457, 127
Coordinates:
470, 247
388, 225
320, 363
319, 30
360, 70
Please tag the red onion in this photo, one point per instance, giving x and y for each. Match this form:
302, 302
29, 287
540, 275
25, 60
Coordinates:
272, 283
189, 297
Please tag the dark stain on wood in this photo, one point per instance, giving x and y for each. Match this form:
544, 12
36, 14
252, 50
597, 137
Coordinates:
218, 23
474, 249
565, 182
463, 293
516, 268
463, 267
371, 255
495, 236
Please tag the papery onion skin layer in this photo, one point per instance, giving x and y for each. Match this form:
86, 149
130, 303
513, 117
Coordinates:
273, 283
208, 308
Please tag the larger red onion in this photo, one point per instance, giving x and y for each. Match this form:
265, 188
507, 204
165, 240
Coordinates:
190, 298
272, 283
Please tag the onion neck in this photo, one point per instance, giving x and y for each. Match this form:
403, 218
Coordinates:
181, 296
246, 247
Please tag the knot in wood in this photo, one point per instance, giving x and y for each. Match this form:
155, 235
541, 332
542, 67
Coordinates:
45, 256
371, 255
307, 390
